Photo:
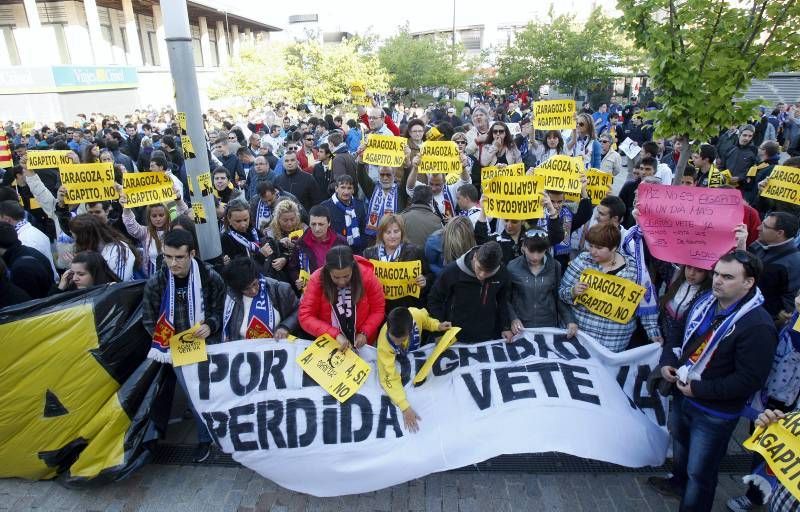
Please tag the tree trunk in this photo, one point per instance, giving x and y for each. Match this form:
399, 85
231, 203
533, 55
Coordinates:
683, 160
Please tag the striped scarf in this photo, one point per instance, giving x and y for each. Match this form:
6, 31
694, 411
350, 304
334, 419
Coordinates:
380, 204
351, 230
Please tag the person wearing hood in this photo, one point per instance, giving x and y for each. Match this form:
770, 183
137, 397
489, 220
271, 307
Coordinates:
473, 293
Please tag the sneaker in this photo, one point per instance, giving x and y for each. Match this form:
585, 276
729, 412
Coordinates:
665, 486
741, 504
201, 452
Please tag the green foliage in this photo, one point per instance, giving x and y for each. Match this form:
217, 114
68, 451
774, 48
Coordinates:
703, 55
562, 53
417, 63
302, 71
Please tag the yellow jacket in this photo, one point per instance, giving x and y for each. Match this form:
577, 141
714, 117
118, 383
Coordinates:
390, 379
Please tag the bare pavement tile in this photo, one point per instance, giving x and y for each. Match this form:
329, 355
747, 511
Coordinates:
199, 488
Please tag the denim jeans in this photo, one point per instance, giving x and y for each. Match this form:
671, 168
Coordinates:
202, 431
700, 441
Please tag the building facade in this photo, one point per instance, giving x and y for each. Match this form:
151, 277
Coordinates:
61, 58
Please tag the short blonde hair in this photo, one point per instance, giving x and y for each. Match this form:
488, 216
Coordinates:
386, 221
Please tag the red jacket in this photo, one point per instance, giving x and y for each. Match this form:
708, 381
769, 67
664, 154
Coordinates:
302, 160
315, 310
752, 220
387, 120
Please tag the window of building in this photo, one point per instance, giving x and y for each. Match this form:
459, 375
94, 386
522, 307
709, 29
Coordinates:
155, 58
56, 32
9, 56
212, 38
196, 46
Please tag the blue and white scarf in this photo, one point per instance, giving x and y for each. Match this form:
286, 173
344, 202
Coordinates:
351, 230
165, 325
413, 341
260, 319
252, 247
633, 246
263, 211
383, 256
380, 204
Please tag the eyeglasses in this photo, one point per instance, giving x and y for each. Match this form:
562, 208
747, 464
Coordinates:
535, 233
463, 142
604, 142
764, 226
499, 131
309, 140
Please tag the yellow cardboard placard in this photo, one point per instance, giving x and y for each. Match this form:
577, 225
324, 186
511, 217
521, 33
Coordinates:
188, 149
297, 233
783, 184
385, 150
492, 171
610, 296
199, 213
796, 325
399, 278
447, 339
554, 115
181, 118
779, 444
560, 182
562, 163
26, 127
514, 197
186, 348
204, 180
48, 159
144, 188
88, 182
439, 157
598, 184
358, 94
304, 277
452, 178
339, 373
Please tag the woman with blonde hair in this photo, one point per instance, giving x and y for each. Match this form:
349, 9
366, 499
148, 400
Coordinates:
583, 142
449, 243
390, 245
285, 221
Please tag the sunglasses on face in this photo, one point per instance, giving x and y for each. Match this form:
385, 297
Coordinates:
461, 142
499, 131
604, 142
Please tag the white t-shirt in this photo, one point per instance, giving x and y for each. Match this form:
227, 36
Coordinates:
120, 259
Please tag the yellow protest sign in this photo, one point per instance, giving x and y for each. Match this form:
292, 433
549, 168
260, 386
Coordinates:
199, 213
598, 184
554, 115
186, 348
514, 197
562, 163
26, 127
188, 149
783, 184
204, 180
717, 178
779, 444
796, 325
492, 171
447, 339
88, 182
452, 178
439, 157
48, 159
385, 150
610, 296
339, 373
304, 277
297, 233
143, 188
181, 118
358, 94
399, 278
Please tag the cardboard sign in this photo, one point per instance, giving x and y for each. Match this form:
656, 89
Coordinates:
598, 184
199, 213
492, 171
358, 95
514, 197
399, 278
558, 181
204, 180
48, 159
181, 118
304, 277
689, 225
186, 348
447, 339
717, 178
88, 182
554, 115
339, 373
610, 296
439, 157
26, 127
144, 188
779, 444
783, 184
630, 148
385, 150
561, 163
297, 233
188, 149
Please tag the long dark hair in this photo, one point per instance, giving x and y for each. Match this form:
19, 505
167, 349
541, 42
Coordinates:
508, 140
96, 266
559, 146
91, 233
680, 278
338, 258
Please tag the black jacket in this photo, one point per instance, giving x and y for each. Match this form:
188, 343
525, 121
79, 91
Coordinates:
739, 159
534, 298
409, 252
479, 308
283, 299
511, 249
740, 365
302, 186
29, 269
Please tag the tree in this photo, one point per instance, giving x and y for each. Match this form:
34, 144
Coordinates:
302, 71
416, 63
703, 55
562, 53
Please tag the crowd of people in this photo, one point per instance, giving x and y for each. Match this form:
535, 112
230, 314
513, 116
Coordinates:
301, 216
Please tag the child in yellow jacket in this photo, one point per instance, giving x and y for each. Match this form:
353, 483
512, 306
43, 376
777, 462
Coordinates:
401, 334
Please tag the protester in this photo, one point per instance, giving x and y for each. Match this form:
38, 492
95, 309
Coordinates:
28, 268
348, 217
583, 142
88, 268
92, 234
298, 183
419, 217
313, 245
10, 293
688, 285
449, 243
12, 213
500, 148
612, 161
241, 239
343, 299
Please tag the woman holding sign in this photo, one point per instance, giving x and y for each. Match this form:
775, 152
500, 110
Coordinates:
604, 256
343, 299
583, 142
390, 245
500, 149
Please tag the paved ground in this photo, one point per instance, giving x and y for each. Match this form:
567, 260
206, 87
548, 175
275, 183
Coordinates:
221, 489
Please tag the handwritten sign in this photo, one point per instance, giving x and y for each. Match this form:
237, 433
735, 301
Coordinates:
598, 184
143, 188
514, 197
447, 339
779, 444
610, 296
88, 182
399, 278
689, 225
339, 373
630, 148
554, 115
439, 157
48, 159
492, 171
783, 184
186, 348
385, 150
26, 127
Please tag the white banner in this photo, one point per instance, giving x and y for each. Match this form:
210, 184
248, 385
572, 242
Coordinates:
541, 393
